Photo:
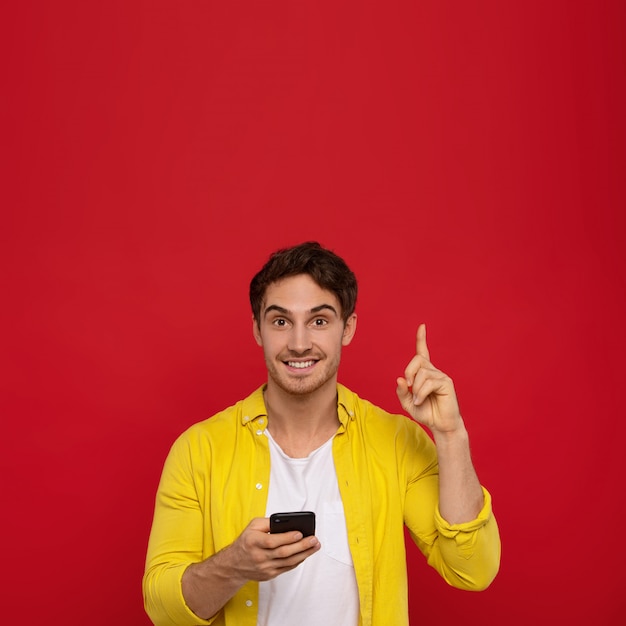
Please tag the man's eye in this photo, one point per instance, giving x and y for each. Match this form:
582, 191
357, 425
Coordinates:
320, 322
279, 322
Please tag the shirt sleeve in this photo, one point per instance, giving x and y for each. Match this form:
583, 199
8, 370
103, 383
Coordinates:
466, 555
175, 542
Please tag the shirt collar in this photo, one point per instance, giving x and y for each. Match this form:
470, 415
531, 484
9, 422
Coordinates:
345, 405
253, 406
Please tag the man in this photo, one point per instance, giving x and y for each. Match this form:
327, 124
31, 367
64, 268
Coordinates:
304, 442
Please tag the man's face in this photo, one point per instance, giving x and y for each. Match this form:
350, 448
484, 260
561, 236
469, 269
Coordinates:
302, 332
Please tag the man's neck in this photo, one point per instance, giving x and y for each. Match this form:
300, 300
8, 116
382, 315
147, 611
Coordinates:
302, 423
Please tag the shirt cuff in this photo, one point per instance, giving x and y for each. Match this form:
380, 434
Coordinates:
464, 534
171, 607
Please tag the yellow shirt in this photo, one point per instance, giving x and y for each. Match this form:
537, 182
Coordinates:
216, 478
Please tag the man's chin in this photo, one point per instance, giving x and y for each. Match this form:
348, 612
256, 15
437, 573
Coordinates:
302, 386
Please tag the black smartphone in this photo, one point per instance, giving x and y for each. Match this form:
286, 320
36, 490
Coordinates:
304, 521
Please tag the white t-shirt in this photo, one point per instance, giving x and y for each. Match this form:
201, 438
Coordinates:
322, 589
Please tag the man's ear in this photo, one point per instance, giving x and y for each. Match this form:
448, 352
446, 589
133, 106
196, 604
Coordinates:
256, 332
348, 330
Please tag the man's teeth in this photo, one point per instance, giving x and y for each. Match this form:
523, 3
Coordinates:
300, 364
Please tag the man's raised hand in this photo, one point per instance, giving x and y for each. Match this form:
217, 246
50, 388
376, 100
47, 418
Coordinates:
426, 393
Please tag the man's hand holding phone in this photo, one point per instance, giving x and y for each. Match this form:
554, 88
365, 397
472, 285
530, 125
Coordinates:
258, 554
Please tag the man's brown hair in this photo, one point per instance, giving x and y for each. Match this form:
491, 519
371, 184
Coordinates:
327, 269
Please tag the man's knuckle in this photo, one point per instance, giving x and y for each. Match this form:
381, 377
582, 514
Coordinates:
282, 552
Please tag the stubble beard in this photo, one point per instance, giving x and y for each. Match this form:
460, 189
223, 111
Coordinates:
303, 385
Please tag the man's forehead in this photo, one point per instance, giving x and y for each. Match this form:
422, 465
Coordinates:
299, 294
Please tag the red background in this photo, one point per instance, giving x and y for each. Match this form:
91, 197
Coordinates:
467, 159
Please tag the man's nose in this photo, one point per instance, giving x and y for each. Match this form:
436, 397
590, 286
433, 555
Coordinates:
299, 339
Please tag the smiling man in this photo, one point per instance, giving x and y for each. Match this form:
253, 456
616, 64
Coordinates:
301, 331
303, 442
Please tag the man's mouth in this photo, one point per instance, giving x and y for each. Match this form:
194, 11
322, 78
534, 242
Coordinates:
301, 364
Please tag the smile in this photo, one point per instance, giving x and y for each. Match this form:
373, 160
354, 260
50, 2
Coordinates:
301, 364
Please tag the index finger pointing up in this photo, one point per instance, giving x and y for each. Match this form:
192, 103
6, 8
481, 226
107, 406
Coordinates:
422, 347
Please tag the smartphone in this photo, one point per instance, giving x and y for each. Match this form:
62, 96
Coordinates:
304, 521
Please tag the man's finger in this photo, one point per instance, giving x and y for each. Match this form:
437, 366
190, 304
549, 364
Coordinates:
422, 347
403, 388
404, 394
261, 524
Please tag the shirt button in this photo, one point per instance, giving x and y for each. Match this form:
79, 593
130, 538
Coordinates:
259, 432
259, 486
261, 421
248, 602
246, 418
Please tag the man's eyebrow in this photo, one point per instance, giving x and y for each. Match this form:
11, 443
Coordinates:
315, 309
275, 307
322, 307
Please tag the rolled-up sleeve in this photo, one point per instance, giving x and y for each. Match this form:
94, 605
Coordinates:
175, 542
466, 555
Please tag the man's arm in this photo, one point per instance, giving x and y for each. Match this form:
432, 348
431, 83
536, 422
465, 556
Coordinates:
428, 396
466, 548
255, 555
180, 584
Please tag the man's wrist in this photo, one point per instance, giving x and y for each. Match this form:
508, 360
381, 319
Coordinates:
455, 436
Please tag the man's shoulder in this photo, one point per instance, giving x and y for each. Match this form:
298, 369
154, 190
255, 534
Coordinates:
240, 413
362, 409
392, 434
